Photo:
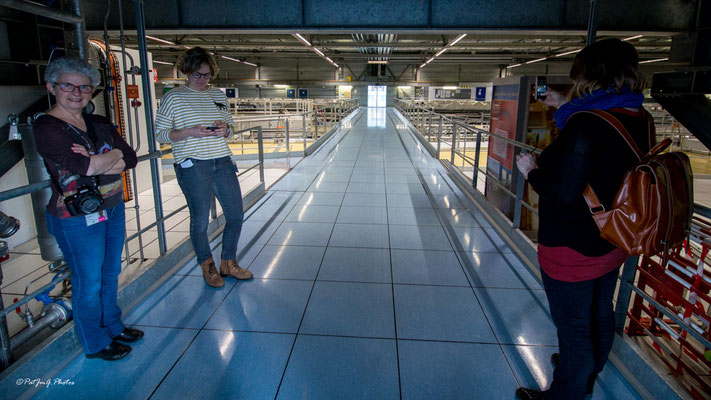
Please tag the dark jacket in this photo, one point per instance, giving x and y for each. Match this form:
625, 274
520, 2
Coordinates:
588, 150
55, 138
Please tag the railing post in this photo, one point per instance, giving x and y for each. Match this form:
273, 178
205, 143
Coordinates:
476, 159
439, 136
260, 144
286, 135
624, 293
303, 124
454, 141
429, 126
520, 184
147, 101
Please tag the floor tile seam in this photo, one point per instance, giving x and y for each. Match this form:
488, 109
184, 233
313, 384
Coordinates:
308, 299
175, 363
451, 237
331, 335
442, 220
392, 289
194, 337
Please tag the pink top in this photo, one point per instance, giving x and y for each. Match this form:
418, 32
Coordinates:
567, 265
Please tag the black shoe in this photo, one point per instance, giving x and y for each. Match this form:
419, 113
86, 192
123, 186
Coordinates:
129, 335
112, 352
555, 359
528, 394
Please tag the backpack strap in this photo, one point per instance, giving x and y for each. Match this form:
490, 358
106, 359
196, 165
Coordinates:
622, 131
589, 194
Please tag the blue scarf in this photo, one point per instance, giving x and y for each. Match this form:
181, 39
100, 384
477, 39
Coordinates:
601, 99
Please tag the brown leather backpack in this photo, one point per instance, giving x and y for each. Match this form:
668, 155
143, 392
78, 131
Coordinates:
652, 210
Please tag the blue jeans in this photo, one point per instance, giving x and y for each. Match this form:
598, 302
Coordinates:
93, 254
199, 182
584, 317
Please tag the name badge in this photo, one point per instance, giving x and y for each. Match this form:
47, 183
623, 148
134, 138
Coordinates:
186, 164
95, 218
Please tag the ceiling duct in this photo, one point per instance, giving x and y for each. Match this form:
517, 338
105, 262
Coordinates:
379, 53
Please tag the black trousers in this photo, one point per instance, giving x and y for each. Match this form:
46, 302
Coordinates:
583, 315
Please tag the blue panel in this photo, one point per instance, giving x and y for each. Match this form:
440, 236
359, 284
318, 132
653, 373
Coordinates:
499, 13
290, 93
228, 365
518, 316
244, 13
440, 313
493, 270
366, 13
287, 262
181, 302
152, 357
266, 305
427, 268
350, 309
431, 370
356, 265
330, 368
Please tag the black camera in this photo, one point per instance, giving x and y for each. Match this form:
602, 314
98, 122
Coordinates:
86, 200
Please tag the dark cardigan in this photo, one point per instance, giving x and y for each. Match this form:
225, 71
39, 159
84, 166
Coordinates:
588, 150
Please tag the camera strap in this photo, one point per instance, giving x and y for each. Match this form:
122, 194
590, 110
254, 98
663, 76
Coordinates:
91, 143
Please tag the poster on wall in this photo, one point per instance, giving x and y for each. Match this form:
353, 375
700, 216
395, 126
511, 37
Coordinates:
344, 91
452, 93
504, 114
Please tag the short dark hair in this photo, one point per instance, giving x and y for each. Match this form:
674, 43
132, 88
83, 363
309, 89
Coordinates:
606, 63
193, 58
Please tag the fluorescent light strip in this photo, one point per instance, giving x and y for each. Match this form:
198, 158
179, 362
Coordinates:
314, 49
239, 61
460, 37
445, 48
633, 37
514, 66
160, 40
568, 52
377, 61
302, 39
657, 60
161, 62
536, 60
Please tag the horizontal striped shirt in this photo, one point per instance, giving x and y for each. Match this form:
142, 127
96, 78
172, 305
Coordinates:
183, 108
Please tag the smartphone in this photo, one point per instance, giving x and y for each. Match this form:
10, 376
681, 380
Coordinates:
211, 128
541, 86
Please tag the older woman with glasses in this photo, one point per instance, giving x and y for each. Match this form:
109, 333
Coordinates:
195, 119
85, 156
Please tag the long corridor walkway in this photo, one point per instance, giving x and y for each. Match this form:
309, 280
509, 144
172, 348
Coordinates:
375, 278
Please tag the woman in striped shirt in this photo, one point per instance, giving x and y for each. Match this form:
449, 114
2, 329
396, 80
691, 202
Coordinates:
195, 119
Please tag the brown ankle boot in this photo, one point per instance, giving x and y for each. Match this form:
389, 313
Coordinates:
209, 272
230, 267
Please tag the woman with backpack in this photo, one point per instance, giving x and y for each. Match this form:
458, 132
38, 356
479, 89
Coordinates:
579, 269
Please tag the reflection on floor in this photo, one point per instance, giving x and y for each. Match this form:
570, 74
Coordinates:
374, 278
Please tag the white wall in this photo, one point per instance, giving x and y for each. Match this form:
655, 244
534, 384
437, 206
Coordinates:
15, 99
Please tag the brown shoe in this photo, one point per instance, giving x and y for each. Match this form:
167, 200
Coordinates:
209, 272
230, 267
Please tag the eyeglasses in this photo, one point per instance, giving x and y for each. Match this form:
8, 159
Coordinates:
68, 87
198, 75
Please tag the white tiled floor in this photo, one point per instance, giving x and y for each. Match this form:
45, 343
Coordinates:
356, 295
